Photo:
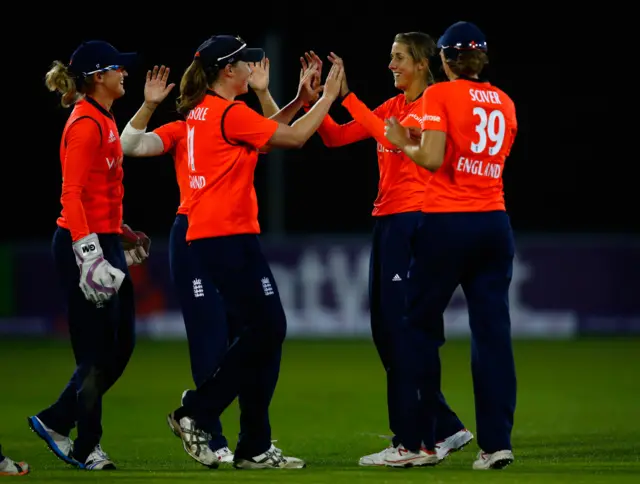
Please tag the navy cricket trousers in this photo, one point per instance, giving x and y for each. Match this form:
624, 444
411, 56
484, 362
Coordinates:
388, 268
204, 320
236, 267
102, 339
474, 250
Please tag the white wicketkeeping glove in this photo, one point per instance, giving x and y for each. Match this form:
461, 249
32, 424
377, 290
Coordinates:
99, 280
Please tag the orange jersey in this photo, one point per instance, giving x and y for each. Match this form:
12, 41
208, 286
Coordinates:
480, 122
223, 139
402, 183
91, 158
174, 138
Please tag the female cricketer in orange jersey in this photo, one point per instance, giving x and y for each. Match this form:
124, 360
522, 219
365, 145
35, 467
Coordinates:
397, 215
465, 238
223, 139
207, 330
88, 252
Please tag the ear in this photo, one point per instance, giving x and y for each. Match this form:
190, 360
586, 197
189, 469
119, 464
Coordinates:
228, 70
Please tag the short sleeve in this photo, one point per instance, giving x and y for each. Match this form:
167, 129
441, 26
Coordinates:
241, 124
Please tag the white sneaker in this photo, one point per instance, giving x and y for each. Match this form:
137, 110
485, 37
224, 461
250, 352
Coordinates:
271, 459
60, 445
497, 460
453, 443
376, 459
98, 460
401, 457
194, 440
11, 468
224, 454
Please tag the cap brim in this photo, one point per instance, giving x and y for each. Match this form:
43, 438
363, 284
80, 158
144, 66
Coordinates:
127, 59
252, 55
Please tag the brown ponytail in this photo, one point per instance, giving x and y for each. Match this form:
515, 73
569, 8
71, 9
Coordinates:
193, 86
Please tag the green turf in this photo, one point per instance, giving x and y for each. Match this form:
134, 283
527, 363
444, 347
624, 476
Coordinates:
577, 418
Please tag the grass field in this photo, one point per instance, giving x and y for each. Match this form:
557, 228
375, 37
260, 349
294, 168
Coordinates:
577, 420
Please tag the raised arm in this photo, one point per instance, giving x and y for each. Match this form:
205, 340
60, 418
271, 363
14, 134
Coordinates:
136, 142
298, 133
259, 82
371, 121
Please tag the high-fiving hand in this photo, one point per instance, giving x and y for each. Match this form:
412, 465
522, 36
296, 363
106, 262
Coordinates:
334, 59
155, 87
259, 79
333, 82
310, 86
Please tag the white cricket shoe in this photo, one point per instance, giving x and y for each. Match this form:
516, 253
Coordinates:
453, 443
194, 440
401, 457
496, 460
11, 468
271, 459
375, 459
224, 454
98, 460
59, 444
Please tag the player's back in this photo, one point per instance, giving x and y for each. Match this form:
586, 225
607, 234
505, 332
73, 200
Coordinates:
481, 127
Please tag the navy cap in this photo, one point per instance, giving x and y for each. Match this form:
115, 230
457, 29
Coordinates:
98, 56
462, 36
221, 50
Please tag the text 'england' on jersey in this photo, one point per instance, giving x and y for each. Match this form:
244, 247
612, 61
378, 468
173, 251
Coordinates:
480, 122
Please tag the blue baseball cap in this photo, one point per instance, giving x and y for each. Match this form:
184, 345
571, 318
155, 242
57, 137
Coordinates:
98, 56
220, 50
462, 36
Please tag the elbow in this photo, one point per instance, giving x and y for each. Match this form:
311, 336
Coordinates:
432, 164
426, 161
297, 141
128, 148
70, 194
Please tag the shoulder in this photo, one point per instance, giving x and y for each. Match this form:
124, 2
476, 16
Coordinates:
439, 88
505, 97
176, 126
393, 102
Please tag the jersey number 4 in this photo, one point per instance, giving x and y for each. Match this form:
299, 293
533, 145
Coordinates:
190, 134
492, 127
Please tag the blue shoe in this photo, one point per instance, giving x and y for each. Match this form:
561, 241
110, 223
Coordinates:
59, 444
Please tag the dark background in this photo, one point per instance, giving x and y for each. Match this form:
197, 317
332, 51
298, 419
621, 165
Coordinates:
567, 172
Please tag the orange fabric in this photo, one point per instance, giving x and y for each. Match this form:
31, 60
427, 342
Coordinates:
174, 138
223, 140
91, 158
402, 183
481, 126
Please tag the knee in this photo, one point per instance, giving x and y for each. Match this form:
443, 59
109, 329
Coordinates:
90, 387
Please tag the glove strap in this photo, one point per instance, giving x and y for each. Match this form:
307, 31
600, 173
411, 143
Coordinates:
87, 248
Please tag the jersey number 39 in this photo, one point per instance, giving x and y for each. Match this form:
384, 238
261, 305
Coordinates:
491, 126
